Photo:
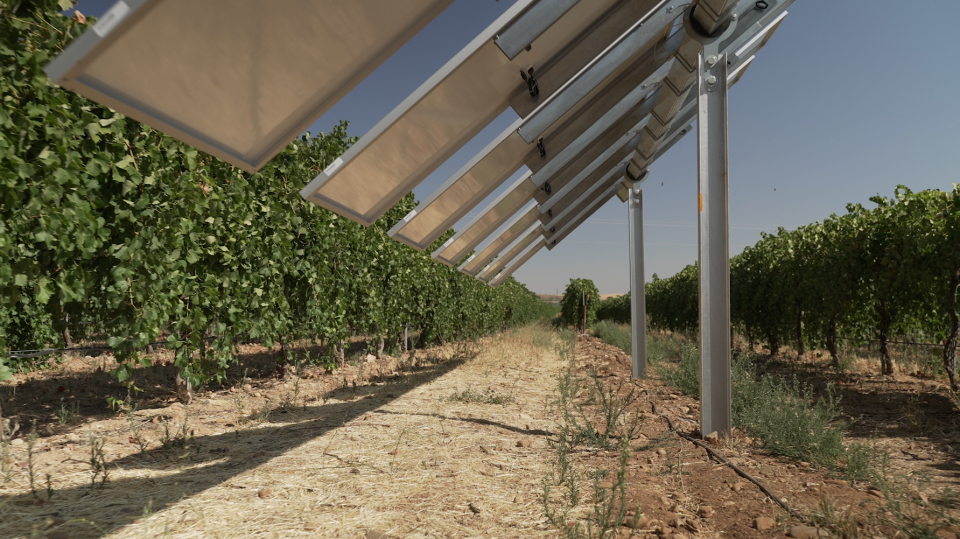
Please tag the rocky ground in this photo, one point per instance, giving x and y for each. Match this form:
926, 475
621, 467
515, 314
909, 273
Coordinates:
686, 493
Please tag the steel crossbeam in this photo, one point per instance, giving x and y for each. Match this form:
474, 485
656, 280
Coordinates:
682, 76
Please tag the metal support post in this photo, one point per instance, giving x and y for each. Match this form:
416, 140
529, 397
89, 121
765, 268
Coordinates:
714, 243
638, 304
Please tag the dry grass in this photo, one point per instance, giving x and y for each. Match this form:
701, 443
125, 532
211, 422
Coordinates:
397, 456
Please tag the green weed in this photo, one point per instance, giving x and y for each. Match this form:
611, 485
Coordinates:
488, 396
785, 418
180, 438
98, 461
866, 462
614, 334
68, 413
782, 415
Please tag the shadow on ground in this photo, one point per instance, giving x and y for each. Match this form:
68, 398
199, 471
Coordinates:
878, 407
209, 461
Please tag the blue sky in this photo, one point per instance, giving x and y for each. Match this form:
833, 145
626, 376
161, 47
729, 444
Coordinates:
847, 100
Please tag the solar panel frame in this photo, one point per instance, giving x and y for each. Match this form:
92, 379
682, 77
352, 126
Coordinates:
518, 225
513, 251
452, 106
489, 219
486, 171
747, 46
157, 62
531, 251
585, 214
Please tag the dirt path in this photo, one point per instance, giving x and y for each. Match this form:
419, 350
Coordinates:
455, 445
397, 456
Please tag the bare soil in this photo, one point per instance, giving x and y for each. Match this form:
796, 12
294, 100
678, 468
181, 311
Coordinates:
390, 447
675, 481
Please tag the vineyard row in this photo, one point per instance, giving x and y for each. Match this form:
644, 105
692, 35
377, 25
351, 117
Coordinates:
871, 273
108, 227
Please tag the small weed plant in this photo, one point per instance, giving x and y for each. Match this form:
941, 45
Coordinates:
31, 463
866, 462
564, 501
179, 438
68, 413
98, 461
785, 418
136, 434
782, 415
487, 396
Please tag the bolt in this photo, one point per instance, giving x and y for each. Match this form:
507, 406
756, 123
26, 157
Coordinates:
711, 80
735, 16
711, 60
670, 9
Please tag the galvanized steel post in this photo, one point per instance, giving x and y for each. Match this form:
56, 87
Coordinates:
638, 304
714, 241
714, 229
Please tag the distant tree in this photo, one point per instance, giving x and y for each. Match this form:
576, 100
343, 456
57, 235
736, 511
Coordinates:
578, 292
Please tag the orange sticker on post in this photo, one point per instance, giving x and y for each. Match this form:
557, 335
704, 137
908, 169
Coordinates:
701, 202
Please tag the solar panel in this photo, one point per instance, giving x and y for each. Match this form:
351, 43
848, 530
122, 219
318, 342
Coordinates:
602, 89
595, 134
452, 106
513, 229
234, 78
491, 218
584, 214
508, 152
516, 248
532, 250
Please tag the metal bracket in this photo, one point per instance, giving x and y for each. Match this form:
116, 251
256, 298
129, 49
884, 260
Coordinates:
710, 42
546, 187
531, 82
542, 148
634, 178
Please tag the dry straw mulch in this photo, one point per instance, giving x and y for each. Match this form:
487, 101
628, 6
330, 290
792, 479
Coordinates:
317, 457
